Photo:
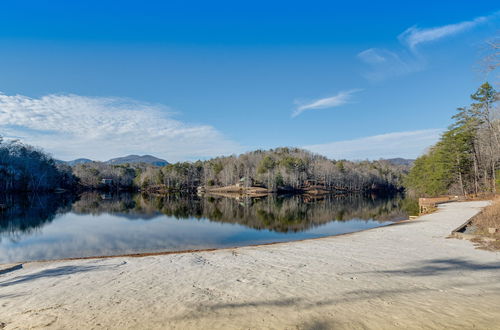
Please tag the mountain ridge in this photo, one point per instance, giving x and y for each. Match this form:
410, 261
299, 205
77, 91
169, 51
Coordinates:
152, 160
138, 159
129, 159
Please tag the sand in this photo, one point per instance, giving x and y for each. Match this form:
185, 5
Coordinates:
402, 276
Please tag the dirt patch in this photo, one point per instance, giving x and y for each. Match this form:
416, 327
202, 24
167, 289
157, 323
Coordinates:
486, 227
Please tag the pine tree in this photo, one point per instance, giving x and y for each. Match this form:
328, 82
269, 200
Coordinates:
467, 151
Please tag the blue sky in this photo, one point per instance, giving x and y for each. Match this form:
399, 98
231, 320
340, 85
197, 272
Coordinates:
183, 81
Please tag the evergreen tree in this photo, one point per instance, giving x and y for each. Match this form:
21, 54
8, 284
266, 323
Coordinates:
466, 153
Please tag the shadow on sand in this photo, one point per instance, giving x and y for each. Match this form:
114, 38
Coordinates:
54, 272
428, 268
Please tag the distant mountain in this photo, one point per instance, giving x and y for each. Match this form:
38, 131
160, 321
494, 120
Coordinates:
148, 159
78, 161
74, 162
401, 161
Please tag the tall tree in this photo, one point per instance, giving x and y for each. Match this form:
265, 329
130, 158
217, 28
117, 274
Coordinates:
482, 109
467, 153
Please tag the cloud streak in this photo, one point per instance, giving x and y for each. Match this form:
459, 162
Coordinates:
341, 98
384, 63
71, 126
415, 36
408, 144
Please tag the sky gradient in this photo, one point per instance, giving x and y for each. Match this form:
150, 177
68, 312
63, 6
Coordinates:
183, 81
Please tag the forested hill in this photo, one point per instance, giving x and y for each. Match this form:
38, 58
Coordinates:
281, 169
26, 168
466, 160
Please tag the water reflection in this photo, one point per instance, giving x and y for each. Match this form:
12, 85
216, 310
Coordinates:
24, 214
282, 213
274, 212
36, 227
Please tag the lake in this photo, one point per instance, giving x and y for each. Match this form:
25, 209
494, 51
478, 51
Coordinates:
55, 226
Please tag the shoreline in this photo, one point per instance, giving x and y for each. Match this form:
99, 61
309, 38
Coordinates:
406, 276
160, 253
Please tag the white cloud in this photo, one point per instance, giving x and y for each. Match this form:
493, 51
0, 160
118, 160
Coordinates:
414, 36
329, 102
374, 56
71, 126
386, 63
409, 144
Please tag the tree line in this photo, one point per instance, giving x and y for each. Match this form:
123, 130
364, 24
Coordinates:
26, 168
466, 159
281, 169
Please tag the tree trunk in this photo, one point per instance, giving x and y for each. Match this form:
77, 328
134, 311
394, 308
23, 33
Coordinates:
476, 174
493, 178
460, 179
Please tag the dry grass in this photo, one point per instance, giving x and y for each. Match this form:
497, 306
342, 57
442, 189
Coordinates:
487, 224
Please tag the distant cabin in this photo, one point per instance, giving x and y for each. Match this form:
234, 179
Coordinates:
244, 182
107, 181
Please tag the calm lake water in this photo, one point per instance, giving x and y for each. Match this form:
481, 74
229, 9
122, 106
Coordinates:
40, 227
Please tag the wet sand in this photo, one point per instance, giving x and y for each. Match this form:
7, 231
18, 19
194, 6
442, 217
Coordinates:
403, 276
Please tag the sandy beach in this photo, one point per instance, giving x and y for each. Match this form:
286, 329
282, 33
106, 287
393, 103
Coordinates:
401, 276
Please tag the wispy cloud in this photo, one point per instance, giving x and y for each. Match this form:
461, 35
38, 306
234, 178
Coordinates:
384, 63
408, 144
341, 98
414, 35
71, 126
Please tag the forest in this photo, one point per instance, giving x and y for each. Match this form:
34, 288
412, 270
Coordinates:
277, 170
26, 168
465, 161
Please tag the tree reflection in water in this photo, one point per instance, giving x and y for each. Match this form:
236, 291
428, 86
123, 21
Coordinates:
25, 214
